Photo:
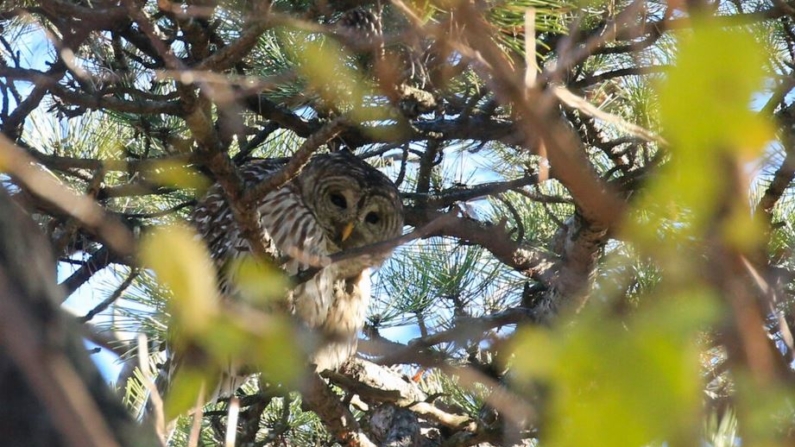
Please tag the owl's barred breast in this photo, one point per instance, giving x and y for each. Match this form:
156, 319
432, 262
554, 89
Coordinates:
291, 224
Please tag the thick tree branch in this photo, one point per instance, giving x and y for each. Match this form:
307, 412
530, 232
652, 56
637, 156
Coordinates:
448, 197
530, 261
51, 392
41, 84
621, 72
61, 163
476, 127
337, 418
297, 161
513, 409
236, 51
98, 261
376, 384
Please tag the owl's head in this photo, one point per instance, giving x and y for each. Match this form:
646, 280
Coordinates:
353, 202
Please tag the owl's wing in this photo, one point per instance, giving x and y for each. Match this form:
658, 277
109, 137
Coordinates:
215, 222
289, 229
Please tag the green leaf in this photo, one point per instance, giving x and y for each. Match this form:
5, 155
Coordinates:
706, 112
620, 384
185, 388
258, 282
705, 103
183, 263
326, 67
176, 175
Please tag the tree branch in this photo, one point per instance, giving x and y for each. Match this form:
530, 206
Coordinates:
335, 416
523, 258
45, 372
786, 171
448, 197
98, 261
91, 216
297, 161
99, 308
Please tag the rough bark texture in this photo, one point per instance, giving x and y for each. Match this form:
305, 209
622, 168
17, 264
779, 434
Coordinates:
51, 392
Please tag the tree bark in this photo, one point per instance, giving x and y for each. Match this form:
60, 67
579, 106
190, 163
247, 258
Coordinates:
51, 394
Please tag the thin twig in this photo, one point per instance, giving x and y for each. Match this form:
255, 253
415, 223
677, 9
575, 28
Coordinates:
231, 421
772, 298
516, 217
110, 299
462, 329
389, 245
297, 161
161, 213
196, 426
629, 71
531, 67
574, 101
374, 249
154, 395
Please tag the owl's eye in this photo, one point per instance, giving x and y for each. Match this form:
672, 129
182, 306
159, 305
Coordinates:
338, 200
372, 218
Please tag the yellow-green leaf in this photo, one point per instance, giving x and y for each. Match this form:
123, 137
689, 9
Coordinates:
177, 175
327, 68
181, 261
257, 281
705, 106
184, 390
705, 102
614, 383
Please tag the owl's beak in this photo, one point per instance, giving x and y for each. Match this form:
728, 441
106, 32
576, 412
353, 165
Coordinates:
346, 231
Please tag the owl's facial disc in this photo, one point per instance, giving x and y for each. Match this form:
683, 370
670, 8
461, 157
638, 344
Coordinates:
353, 203
369, 223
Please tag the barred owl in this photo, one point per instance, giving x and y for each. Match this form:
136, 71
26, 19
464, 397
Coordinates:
336, 202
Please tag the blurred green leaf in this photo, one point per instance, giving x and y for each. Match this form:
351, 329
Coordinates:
241, 335
706, 113
325, 65
185, 388
177, 175
258, 282
705, 102
280, 353
617, 383
182, 262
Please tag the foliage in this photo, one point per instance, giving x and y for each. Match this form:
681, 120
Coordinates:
616, 265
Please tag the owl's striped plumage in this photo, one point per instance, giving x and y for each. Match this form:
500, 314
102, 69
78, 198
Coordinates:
336, 202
